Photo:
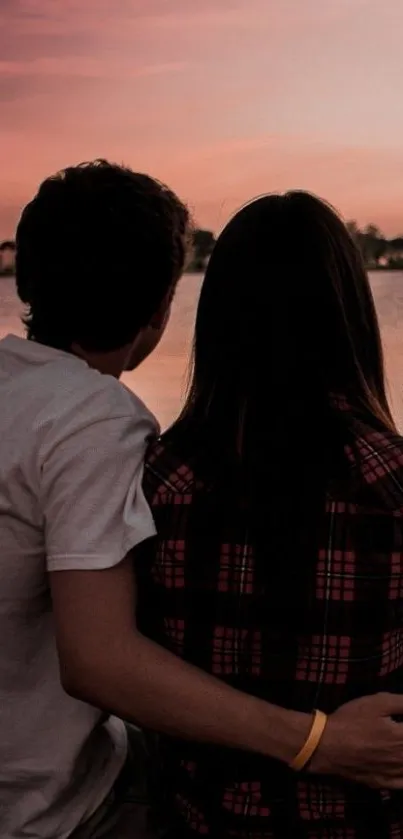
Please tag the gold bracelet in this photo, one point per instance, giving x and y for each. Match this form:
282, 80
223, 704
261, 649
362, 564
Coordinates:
312, 742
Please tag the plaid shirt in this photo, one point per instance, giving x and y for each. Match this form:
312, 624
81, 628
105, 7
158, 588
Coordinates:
202, 601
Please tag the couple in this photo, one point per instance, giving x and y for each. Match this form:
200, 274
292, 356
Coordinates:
242, 595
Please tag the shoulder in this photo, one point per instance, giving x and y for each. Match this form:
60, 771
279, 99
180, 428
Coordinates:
168, 472
84, 387
86, 403
376, 461
96, 394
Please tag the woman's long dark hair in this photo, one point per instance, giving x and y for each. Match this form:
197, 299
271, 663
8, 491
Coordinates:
285, 321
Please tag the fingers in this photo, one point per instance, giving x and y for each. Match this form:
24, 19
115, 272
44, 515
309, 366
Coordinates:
388, 703
396, 783
384, 782
395, 732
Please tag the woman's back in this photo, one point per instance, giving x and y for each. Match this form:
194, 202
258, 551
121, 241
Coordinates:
210, 608
278, 500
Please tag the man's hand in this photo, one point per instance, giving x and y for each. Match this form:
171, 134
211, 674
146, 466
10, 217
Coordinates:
362, 743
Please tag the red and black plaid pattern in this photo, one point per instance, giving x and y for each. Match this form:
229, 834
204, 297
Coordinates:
204, 601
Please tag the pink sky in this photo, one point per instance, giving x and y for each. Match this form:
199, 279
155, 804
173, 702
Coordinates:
223, 99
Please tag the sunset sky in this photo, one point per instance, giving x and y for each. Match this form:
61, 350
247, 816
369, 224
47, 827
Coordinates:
223, 99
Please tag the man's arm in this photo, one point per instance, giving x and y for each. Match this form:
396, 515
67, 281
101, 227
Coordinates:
95, 513
106, 662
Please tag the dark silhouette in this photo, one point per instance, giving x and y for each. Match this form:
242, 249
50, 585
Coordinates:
377, 251
395, 253
61, 251
7, 268
203, 244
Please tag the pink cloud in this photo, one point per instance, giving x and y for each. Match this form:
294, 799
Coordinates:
89, 67
221, 99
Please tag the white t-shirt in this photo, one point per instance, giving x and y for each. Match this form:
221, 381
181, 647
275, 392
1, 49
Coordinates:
72, 443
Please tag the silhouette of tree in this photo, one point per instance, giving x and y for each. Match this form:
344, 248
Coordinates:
373, 245
395, 253
371, 242
203, 244
7, 246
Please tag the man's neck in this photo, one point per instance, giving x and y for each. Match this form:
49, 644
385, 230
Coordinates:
110, 363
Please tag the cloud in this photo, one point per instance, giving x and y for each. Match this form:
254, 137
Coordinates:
130, 19
221, 99
126, 18
120, 17
88, 67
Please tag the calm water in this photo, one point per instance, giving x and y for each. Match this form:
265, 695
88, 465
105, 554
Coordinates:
161, 380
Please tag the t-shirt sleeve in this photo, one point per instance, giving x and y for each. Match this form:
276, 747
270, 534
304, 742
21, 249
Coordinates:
93, 504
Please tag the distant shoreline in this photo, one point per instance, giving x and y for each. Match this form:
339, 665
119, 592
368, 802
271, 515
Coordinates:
6, 275
388, 268
378, 253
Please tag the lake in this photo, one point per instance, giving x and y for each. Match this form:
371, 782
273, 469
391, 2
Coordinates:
161, 380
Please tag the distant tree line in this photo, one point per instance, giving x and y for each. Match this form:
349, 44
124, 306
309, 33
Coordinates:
377, 251
202, 246
7, 257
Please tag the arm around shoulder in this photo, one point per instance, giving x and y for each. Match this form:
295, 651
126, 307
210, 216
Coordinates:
105, 661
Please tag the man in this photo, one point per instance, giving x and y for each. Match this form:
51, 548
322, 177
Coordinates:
99, 252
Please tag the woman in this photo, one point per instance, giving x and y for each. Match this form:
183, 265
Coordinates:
278, 501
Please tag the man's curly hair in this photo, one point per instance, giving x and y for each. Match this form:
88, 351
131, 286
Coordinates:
98, 250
